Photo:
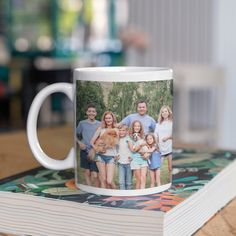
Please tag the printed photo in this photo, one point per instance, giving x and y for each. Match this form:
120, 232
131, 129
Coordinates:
124, 134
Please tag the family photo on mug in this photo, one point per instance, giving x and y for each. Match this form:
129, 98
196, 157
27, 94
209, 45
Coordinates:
124, 134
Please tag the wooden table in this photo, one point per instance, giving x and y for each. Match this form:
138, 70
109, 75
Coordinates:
15, 157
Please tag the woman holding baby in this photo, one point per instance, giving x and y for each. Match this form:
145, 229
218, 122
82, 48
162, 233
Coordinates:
105, 159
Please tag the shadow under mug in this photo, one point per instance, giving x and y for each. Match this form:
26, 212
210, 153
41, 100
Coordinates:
120, 124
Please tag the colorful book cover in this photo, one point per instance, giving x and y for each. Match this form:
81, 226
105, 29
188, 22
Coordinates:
192, 170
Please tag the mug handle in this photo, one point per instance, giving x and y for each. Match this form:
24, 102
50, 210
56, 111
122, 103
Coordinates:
40, 155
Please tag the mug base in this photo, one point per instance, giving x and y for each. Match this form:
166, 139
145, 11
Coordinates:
118, 192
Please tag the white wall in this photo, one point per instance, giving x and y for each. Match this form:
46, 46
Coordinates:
191, 31
224, 54
179, 31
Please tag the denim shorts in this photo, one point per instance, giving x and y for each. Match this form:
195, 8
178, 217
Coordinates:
136, 166
104, 159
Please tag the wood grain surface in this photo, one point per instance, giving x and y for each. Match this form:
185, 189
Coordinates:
16, 157
15, 153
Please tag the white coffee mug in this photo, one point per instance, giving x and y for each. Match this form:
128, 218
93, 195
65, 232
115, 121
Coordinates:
122, 129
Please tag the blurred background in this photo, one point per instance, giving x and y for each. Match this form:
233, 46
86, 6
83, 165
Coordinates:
42, 41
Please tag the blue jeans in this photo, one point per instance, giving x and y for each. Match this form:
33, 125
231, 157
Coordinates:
125, 176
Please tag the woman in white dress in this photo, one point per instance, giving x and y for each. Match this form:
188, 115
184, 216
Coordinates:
163, 131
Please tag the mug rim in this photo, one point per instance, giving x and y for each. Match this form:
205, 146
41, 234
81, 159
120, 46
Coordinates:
123, 73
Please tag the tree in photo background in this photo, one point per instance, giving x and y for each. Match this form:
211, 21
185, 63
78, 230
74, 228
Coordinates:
123, 97
89, 92
157, 94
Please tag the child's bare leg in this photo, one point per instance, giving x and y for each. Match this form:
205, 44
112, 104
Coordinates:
95, 178
169, 158
143, 177
137, 174
158, 176
102, 173
87, 175
152, 178
110, 169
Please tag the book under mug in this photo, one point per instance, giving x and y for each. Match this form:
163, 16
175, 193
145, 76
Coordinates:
46, 202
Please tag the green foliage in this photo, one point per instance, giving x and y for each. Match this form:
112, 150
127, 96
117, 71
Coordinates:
122, 99
89, 92
157, 94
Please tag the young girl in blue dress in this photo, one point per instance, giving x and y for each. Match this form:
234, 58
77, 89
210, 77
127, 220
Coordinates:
154, 160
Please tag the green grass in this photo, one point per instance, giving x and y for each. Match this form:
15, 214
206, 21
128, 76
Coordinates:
164, 174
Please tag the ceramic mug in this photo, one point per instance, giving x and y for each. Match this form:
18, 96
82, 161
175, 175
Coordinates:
122, 129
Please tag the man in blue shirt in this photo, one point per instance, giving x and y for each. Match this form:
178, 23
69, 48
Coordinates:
147, 121
85, 131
